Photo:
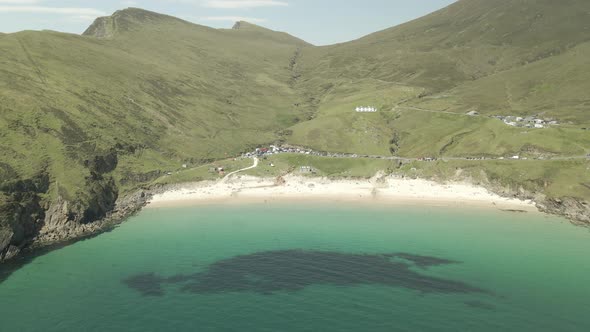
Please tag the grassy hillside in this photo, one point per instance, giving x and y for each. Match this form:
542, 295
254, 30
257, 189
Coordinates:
86, 119
465, 41
137, 96
554, 87
158, 89
508, 57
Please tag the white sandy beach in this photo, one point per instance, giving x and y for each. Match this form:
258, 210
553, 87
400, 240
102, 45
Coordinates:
388, 190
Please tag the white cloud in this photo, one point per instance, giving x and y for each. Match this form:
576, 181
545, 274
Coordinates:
52, 10
233, 19
20, 2
233, 4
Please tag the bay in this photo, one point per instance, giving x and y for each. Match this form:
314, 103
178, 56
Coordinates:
310, 267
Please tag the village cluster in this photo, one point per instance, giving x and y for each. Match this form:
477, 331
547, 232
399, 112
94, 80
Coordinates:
273, 149
265, 152
527, 122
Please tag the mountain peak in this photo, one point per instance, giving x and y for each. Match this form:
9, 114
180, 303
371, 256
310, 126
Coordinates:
141, 15
123, 20
243, 25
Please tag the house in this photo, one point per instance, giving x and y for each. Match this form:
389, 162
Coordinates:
307, 170
363, 109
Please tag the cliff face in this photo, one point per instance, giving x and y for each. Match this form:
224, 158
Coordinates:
28, 216
103, 27
32, 226
62, 224
21, 214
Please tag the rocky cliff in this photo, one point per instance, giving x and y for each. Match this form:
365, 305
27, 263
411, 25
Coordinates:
30, 226
30, 217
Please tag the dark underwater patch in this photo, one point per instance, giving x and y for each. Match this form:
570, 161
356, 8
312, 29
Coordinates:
148, 284
480, 305
293, 270
423, 261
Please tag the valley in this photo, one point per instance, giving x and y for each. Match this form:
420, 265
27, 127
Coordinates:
88, 121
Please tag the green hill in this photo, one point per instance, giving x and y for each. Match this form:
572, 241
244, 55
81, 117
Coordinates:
498, 58
138, 95
86, 120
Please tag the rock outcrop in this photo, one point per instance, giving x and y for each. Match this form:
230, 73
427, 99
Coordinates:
61, 225
29, 221
576, 210
21, 213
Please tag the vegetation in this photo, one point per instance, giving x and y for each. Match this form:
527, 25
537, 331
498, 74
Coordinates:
140, 94
563, 178
206, 172
283, 164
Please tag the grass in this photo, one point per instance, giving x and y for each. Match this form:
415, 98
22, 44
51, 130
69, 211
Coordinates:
324, 166
204, 172
149, 91
163, 92
337, 127
553, 178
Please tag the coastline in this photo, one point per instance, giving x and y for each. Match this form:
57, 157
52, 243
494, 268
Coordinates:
381, 190
240, 189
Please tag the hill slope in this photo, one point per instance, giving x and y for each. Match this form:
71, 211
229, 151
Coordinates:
465, 41
508, 57
94, 116
86, 120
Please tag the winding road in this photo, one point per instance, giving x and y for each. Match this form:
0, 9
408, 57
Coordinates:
240, 170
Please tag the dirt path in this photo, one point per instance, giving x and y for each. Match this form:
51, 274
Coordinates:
240, 170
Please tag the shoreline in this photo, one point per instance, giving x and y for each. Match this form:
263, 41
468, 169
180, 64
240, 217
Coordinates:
379, 190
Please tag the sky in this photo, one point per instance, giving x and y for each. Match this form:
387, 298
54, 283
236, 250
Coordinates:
320, 22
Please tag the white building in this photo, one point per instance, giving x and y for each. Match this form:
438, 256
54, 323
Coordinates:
363, 109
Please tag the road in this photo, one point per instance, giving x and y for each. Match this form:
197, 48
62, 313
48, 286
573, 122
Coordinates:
429, 111
446, 158
225, 178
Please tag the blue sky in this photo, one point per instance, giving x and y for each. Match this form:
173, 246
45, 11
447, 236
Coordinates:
320, 22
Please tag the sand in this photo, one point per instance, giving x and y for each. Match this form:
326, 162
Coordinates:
379, 190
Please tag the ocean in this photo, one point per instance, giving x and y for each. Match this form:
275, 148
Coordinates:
310, 267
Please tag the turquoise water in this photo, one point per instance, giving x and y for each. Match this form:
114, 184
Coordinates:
310, 268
